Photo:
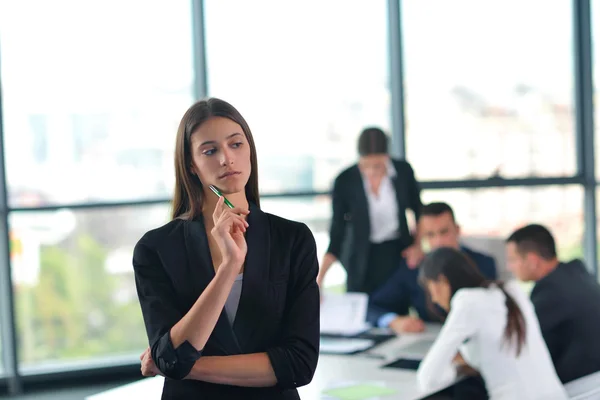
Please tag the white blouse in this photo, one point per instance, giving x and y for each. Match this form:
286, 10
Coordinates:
383, 208
475, 326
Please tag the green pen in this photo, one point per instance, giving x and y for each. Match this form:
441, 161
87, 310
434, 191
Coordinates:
218, 193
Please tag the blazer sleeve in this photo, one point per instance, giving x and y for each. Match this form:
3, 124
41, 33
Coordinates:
339, 208
491, 271
294, 359
552, 313
157, 299
389, 298
414, 193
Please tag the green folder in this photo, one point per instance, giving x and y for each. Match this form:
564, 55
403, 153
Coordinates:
359, 392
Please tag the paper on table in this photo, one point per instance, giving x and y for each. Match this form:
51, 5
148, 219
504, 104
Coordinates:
359, 392
344, 346
344, 314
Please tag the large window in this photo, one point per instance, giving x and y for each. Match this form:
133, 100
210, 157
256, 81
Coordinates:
74, 287
307, 75
92, 94
489, 88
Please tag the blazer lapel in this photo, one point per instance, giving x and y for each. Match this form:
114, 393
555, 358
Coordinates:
201, 272
256, 278
200, 262
399, 196
401, 200
362, 204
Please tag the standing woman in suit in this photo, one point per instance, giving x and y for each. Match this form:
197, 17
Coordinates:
369, 232
229, 296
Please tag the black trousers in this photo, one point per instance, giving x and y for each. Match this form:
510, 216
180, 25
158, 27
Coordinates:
471, 388
384, 259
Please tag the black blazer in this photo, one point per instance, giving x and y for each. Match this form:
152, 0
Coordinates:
278, 311
350, 223
567, 304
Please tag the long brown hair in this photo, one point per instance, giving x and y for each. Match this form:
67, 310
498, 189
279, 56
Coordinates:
461, 272
188, 197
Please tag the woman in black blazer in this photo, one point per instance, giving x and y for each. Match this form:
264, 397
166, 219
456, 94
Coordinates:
369, 229
229, 296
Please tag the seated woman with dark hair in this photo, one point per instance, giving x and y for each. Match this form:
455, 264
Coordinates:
491, 327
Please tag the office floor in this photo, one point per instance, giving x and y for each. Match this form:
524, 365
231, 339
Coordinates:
78, 393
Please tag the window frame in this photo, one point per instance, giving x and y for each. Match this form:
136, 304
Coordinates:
13, 381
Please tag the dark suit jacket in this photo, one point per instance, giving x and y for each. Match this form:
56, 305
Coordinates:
567, 304
350, 224
278, 311
403, 290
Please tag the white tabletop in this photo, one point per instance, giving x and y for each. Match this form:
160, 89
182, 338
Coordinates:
339, 370
332, 371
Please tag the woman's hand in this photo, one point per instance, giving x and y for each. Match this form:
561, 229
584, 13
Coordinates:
148, 367
328, 259
228, 231
407, 324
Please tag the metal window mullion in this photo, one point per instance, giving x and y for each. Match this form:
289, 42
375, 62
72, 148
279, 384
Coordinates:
396, 78
8, 334
199, 50
584, 122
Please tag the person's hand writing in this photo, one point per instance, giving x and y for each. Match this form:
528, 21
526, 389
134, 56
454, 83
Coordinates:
413, 255
148, 367
229, 229
407, 325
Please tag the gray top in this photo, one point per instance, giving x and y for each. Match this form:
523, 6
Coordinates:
233, 300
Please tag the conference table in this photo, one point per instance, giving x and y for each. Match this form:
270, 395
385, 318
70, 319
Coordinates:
333, 371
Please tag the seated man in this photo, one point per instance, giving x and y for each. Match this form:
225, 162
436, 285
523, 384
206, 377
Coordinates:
389, 305
566, 298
